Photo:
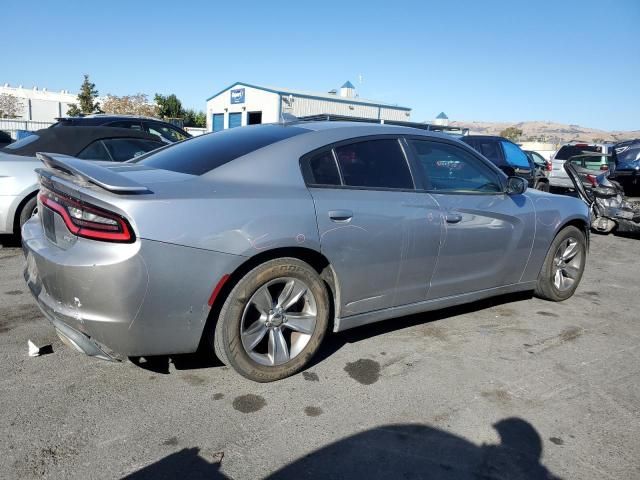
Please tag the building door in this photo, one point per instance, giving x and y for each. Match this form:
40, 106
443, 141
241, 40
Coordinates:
254, 118
218, 122
235, 120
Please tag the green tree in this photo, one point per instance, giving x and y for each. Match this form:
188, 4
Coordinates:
86, 100
169, 106
512, 133
193, 118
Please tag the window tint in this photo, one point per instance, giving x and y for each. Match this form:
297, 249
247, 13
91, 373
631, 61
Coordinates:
95, 151
166, 132
324, 170
122, 149
515, 156
199, 155
450, 169
489, 148
568, 151
374, 163
127, 124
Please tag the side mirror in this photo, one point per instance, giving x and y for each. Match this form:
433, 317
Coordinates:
516, 185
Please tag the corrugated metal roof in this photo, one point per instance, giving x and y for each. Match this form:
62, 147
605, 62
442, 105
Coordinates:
303, 93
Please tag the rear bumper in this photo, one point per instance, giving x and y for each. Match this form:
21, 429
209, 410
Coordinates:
561, 182
112, 300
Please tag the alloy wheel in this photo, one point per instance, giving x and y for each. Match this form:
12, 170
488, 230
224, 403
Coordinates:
278, 321
567, 264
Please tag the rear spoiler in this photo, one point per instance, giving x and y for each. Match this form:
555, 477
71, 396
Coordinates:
91, 172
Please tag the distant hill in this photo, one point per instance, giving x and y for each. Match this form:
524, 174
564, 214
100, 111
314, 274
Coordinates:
548, 131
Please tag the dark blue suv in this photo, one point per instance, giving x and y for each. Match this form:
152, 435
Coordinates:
626, 156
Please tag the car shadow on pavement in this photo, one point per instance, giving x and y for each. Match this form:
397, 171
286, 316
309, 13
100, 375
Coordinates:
10, 241
391, 451
334, 342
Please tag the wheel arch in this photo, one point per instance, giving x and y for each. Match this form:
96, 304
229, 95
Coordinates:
581, 224
315, 259
18, 210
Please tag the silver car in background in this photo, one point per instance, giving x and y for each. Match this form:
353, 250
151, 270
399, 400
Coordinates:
254, 242
558, 177
18, 179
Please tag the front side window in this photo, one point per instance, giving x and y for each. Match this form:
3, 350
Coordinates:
375, 164
122, 149
515, 156
448, 168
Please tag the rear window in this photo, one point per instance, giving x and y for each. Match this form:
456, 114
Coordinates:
202, 154
23, 142
568, 151
515, 156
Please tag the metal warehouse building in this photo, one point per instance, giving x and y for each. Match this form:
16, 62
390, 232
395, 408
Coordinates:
246, 104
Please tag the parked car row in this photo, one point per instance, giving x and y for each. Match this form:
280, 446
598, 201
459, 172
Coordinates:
109, 138
254, 243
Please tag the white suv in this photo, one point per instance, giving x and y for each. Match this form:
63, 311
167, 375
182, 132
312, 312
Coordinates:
558, 177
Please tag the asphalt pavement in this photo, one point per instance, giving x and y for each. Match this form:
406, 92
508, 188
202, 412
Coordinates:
511, 388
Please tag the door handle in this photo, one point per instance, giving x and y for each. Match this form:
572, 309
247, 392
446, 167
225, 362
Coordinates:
453, 217
340, 215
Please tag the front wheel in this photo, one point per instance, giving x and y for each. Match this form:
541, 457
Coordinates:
563, 266
273, 320
29, 210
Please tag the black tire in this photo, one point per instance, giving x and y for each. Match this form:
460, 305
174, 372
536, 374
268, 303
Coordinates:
227, 341
28, 210
546, 287
542, 186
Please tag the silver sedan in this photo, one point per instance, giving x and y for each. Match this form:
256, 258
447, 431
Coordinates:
253, 243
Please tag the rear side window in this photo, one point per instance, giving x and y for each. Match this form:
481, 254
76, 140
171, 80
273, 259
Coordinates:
515, 156
122, 149
200, 155
95, 151
489, 148
324, 170
166, 132
374, 163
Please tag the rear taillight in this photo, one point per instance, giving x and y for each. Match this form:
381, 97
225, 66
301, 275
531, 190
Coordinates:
604, 167
86, 220
592, 180
549, 166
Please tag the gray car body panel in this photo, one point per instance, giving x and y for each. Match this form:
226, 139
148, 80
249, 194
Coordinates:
396, 255
17, 183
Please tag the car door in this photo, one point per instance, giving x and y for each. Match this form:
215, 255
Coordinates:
487, 234
380, 235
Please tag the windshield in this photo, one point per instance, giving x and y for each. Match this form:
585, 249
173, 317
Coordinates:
568, 151
199, 155
22, 142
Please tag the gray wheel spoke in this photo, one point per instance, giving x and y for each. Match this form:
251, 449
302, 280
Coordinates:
278, 348
268, 327
263, 301
557, 279
570, 251
291, 293
571, 272
301, 322
252, 337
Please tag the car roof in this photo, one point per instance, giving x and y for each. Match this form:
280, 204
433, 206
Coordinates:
110, 116
363, 128
72, 140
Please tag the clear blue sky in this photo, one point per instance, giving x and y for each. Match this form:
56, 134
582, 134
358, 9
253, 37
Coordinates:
565, 61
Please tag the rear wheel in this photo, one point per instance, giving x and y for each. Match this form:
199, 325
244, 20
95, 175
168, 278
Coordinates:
563, 266
273, 321
28, 210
